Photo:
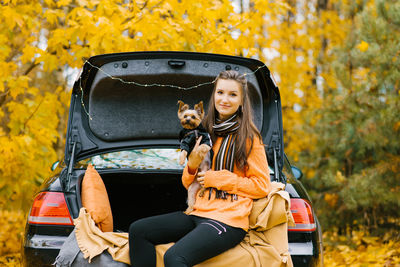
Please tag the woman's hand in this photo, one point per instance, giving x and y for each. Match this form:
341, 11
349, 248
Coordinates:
200, 178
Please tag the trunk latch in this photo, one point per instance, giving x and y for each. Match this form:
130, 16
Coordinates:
176, 63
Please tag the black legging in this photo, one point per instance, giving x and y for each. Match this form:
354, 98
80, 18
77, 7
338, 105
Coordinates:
197, 239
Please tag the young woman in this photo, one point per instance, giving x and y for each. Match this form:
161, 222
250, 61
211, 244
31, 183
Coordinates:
238, 175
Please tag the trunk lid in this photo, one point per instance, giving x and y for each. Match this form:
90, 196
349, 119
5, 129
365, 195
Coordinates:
127, 100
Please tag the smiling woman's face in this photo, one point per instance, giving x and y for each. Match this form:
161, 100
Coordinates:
227, 97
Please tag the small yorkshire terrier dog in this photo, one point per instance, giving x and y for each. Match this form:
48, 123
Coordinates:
192, 130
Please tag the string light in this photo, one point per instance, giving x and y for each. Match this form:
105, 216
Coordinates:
149, 85
153, 84
83, 104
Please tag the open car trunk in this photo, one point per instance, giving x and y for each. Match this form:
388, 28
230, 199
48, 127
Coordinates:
135, 195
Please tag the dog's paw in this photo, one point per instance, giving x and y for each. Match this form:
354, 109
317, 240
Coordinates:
188, 210
201, 192
182, 157
203, 149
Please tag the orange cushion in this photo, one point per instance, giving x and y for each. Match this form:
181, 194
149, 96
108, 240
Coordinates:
95, 199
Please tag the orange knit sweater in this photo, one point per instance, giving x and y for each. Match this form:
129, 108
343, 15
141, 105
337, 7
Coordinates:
252, 184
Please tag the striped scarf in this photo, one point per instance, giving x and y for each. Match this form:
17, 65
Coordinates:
225, 155
229, 126
224, 159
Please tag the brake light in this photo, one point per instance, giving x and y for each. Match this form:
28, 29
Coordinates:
50, 208
303, 216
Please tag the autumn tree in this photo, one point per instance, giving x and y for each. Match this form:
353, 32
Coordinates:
31, 104
357, 156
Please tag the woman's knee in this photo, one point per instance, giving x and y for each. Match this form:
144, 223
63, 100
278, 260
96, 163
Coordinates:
138, 227
172, 258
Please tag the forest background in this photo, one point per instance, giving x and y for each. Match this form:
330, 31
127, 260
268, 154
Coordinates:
336, 64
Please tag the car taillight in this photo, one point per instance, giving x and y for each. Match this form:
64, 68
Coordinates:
50, 208
303, 216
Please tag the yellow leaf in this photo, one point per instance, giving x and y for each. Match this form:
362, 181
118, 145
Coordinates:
363, 46
82, 2
51, 62
28, 53
52, 16
49, 2
396, 126
343, 248
339, 178
61, 3
253, 51
370, 240
331, 199
11, 17
16, 91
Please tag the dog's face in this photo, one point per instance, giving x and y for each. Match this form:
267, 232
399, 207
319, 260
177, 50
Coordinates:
190, 118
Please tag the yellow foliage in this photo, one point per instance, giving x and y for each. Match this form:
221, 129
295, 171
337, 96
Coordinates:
12, 227
360, 250
331, 199
298, 45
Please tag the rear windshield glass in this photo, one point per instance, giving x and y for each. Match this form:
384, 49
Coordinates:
155, 158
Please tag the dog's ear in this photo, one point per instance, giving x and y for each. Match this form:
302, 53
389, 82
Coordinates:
199, 108
182, 106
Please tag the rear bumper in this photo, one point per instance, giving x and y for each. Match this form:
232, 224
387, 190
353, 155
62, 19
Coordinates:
304, 254
305, 260
34, 257
42, 250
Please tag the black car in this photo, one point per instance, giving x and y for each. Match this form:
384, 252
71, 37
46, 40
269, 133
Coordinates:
123, 119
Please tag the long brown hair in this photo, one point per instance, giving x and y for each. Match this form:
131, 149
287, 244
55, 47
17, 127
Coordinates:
247, 129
